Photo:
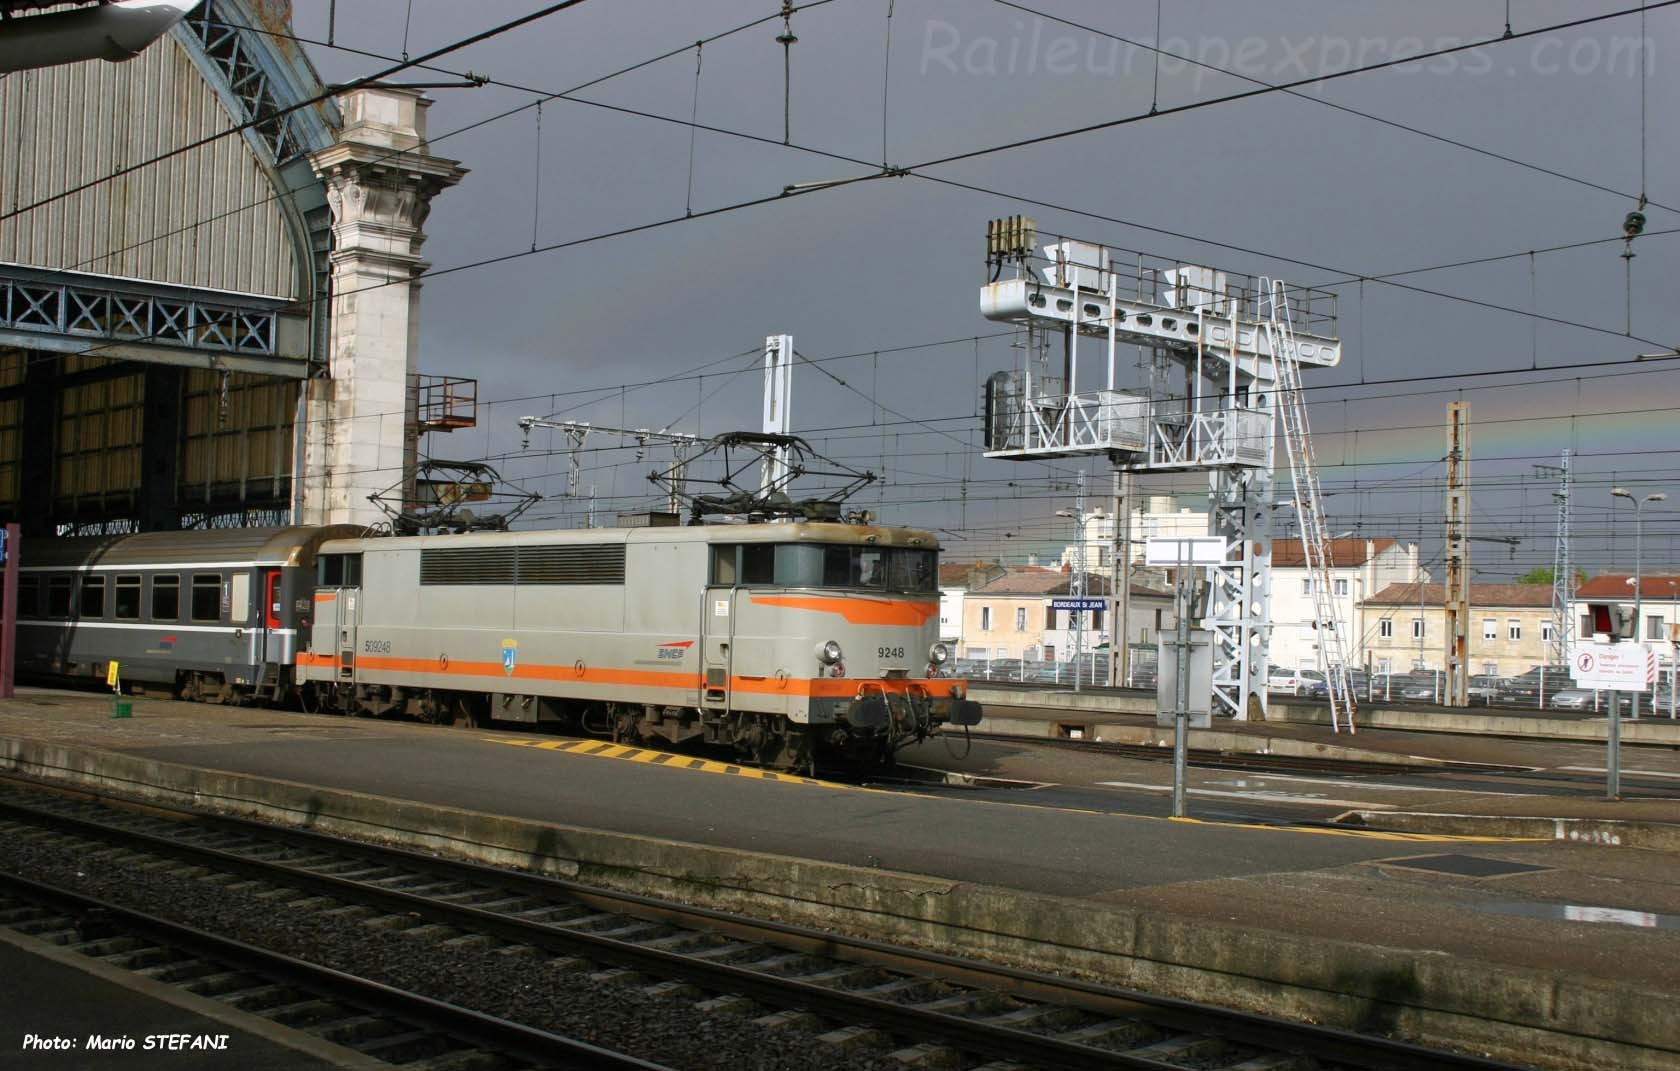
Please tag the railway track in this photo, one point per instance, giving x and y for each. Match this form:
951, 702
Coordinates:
389, 1024
924, 1007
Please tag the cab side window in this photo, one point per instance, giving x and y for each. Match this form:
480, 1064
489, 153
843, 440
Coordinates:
724, 567
758, 563
339, 571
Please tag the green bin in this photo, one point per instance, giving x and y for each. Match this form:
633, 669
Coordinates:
122, 707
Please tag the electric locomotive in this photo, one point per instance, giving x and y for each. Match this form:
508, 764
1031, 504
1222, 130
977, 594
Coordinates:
791, 643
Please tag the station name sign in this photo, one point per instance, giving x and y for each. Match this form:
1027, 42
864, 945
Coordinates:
1078, 604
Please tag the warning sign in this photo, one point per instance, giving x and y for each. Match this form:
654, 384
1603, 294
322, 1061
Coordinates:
1621, 667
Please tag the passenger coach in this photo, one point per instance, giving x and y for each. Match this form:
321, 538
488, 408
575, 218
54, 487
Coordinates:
209, 615
789, 642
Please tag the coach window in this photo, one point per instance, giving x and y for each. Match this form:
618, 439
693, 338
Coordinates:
724, 571
166, 598
29, 596
58, 597
206, 597
92, 602
125, 604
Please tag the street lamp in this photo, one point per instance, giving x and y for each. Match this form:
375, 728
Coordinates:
1638, 549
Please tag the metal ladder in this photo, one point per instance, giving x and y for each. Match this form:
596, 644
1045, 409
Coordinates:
1309, 505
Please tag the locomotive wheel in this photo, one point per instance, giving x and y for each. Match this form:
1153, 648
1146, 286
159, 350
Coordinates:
625, 726
467, 711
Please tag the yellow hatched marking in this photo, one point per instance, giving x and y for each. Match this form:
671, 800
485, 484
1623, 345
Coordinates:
1367, 834
683, 762
598, 749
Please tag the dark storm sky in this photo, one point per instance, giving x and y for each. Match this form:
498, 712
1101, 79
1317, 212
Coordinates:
898, 262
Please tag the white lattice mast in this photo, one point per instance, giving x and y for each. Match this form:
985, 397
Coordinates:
1457, 553
1563, 570
1309, 508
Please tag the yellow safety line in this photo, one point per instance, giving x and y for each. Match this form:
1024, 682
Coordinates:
600, 749
1368, 834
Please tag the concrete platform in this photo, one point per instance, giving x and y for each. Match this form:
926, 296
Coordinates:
54, 1004
1549, 952
1116, 711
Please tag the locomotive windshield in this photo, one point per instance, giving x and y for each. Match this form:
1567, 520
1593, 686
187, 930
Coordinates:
802, 565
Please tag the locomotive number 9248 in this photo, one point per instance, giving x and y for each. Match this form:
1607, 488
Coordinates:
889, 652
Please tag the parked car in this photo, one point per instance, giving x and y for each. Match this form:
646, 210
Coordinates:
1357, 682
1415, 689
1525, 688
1293, 681
1572, 699
1279, 679
1000, 669
1484, 690
1587, 699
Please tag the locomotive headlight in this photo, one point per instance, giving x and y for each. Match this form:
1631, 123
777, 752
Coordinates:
828, 652
939, 654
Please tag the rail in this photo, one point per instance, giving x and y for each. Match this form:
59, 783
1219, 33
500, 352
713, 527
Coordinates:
1043, 1021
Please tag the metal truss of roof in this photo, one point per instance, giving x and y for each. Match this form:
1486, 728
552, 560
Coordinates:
265, 73
39, 311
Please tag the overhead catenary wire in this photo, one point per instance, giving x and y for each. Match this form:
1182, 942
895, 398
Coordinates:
1160, 53
1350, 277
1311, 79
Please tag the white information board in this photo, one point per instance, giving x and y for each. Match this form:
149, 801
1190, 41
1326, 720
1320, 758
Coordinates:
1622, 667
1191, 550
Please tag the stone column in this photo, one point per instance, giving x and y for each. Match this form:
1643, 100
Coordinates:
380, 179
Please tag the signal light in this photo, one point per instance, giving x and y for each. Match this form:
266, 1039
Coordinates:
1612, 620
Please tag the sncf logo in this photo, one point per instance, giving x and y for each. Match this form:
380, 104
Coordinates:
675, 649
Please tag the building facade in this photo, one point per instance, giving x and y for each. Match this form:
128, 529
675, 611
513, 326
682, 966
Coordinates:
1659, 609
1362, 568
1510, 628
956, 579
1011, 617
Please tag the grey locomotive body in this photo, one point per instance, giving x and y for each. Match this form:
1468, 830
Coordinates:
788, 642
